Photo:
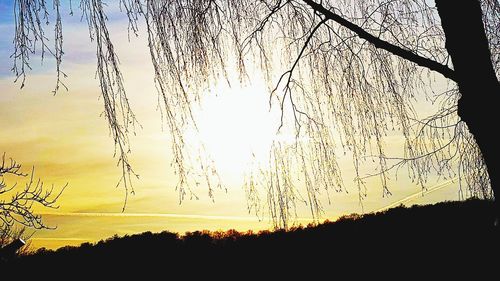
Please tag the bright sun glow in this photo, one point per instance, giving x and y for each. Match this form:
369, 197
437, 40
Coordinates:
237, 127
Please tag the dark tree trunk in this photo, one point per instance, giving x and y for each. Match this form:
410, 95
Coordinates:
467, 45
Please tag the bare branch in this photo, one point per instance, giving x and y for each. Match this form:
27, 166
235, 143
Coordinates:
117, 111
18, 210
379, 43
351, 86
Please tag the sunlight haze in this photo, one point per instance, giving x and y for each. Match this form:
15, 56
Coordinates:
66, 139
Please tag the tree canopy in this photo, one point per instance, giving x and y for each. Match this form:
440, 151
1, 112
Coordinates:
346, 75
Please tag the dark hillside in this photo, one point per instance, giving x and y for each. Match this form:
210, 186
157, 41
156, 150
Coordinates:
445, 239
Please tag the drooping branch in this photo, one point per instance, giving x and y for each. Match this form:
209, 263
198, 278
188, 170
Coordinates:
117, 110
30, 38
289, 73
354, 82
382, 44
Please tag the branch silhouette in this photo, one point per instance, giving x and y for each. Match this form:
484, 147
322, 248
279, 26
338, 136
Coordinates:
379, 43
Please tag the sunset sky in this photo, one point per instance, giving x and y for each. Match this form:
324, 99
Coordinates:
66, 139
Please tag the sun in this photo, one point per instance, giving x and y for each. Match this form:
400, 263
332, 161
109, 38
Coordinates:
237, 127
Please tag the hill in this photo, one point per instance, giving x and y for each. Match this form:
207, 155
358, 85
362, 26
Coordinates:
446, 239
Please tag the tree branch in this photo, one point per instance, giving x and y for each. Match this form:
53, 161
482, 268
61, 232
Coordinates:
379, 43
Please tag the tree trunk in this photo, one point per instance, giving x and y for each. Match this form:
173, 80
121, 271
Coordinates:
467, 45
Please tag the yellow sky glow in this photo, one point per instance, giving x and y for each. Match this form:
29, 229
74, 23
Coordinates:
67, 141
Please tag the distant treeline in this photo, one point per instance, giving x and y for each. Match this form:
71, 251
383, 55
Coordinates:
449, 239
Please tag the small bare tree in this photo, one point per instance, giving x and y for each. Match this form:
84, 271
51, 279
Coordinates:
12, 234
16, 202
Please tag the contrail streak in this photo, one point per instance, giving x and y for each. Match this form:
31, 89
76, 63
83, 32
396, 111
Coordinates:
236, 218
60, 239
158, 215
144, 215
417, 194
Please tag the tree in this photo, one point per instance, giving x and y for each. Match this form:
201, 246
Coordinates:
16, 212
352, 68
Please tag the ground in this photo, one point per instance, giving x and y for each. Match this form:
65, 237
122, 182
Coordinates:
451, 239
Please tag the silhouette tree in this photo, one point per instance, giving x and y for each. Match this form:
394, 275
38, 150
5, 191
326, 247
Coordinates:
16, 203
345, 74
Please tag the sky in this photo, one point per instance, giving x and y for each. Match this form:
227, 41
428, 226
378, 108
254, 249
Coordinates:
66, 139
